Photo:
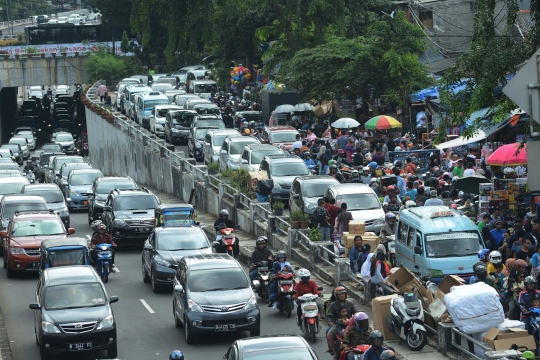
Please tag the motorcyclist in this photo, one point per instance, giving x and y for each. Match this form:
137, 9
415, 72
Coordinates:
394, 204
305, 286
29, 166
309, 161
262, 253
95, 225
366, 176
333, 314
176, 355
224, 222
376, 339
277, 266
101, 237
391, 190
357, 333
389, 227
31, 176
525, 301
389, 355
49, 91
333, 172
481, 275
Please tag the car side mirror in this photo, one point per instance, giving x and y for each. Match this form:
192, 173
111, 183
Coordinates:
147, 247
58, 175
107, 208
320, 288
113, 299
68, 200
418, 250
179, 289
71, 231
3, 233
296, 196
34, 306
224, 152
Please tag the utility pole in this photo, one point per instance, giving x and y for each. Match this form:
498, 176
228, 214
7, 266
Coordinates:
10, 26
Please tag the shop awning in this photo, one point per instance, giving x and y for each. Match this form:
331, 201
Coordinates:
479, 135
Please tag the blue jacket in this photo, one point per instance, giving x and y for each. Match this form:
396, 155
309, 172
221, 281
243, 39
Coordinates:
276, 266
354, 256
374, 354
525, 302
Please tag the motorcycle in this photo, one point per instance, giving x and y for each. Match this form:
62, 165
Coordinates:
406, 320
104, 261
285, 292
535, 324
31, 177
310, 315
225, 239
358, 350
263, 277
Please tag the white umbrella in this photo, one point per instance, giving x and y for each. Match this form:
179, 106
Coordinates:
303, 107
345, 123
285, 108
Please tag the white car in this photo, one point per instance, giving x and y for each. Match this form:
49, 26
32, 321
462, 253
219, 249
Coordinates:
29, 137
120, 91
229, 155
62, 20
24, 145
35, 94
158, 118
61, 90
75, 19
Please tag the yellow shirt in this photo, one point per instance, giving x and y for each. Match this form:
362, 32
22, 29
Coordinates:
491, 268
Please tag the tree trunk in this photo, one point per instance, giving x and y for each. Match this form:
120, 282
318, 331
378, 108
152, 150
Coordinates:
278, 11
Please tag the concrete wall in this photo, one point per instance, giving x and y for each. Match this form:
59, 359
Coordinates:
25, 71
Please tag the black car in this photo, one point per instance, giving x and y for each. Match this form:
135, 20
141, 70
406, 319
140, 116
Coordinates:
165, 247
177, 125
212, 293
42, 19
73, 313
53, 197
43, 166
101, 188
196, 140
129, 215
273, 347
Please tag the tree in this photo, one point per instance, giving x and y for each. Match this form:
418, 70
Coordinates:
103, 65
124, 45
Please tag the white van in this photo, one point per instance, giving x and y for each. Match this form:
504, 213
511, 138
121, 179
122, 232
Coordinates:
203, 88
145, 104
129, 92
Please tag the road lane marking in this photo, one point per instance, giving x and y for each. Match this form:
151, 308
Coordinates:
145, 304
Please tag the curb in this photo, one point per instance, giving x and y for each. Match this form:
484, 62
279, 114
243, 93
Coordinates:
5, 347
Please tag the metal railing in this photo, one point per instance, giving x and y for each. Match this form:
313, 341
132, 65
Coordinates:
260, 212
459, 340
214, 182
244, 201
282, 226
229, 191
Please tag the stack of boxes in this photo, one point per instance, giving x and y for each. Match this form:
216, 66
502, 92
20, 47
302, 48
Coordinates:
358, 227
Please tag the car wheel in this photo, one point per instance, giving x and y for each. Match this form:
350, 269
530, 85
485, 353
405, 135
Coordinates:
177, 322
190, 338
112, 352
155, 287
145, 277
257, 332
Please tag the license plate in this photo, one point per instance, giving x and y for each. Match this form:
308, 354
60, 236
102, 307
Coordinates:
35, 265
263, 269
285, 281
142, 229
85, 202
225, 327
80, 346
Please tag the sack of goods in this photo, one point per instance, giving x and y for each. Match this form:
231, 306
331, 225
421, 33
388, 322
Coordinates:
264, 187
474, 308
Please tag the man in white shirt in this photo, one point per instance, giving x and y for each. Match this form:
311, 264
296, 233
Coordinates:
298, 143
433, 201
469, 171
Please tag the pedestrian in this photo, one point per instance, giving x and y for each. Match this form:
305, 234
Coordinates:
321, 218
355, 253
433, 200
343, 219
330, 206
458, 169
102, 90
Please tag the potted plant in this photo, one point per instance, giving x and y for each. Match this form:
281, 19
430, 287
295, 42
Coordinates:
213, 168
315, 234
296, 216
278, 208
242, 178
304, 221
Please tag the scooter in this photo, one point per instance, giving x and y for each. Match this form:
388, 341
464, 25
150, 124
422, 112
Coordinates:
104, 261
310, 315
358, 350
285, 292
535, 323
31, 177
406, 320
225, 240
263, 277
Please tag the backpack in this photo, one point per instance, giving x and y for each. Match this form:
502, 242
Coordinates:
319, 215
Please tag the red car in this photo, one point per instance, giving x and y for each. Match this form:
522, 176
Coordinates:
22, 239
279, 135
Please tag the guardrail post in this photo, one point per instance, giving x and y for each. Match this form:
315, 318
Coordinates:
291, 237
338, 264
163, 152
236, 201
313, 249
444, 337
221, 192
252, 217
271, 228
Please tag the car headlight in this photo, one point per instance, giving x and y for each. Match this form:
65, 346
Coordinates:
193, 306
147, 118
310, 206
106, 323
379, 221
162, 262
252, 303
277, 186
175, 130
73, 192
49, 328
100, 202
17, 251
120, 222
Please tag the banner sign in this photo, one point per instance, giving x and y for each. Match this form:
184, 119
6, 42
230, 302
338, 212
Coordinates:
69, 48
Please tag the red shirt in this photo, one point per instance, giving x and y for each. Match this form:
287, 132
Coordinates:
306, 288
101, 239
333, 212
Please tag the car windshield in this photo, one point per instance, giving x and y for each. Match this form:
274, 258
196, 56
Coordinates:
252, 117
359, 201
162, 112
24, 228
84, 179
14, 148
177, 241
61, 162
291, 168
51, 147
64, 137
207, 110
315, 188
236, 147
105, 187
66, 257
453, 244
72, 296
11, 208
283, 136
5, 153
218, 139
257, 156
213, 123
9, 173
27, 135
282, 354
200, 134
205, 88
6, 160
12, 187
50, 196
182, 118
19, 141
174, 218
137, 202
8, 166
217, 279
164, 80
69, 167
149, 104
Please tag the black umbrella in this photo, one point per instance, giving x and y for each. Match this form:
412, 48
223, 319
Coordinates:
471, 184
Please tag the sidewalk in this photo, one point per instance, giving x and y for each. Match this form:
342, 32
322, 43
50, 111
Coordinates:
247, 245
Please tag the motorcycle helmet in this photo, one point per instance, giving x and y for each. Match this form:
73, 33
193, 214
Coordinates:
333, 167
390, 217
528, 355
388, 355
529, 280
281, 255
373, 164
375, 334
495, 257
520, 263
340, 290
176, 355
304, 275
390, 187
361, 321
453, 207
410, 204
365, 168
482, 254
224, 212
101, 227
480, 271
95, 224
261, 240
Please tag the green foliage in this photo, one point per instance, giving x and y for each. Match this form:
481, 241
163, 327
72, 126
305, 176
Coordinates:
214, 166
297, 215
315, 234
124, 45
278, 205
103, 65
228, 173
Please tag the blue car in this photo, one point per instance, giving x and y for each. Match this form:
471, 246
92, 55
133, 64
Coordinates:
79, 182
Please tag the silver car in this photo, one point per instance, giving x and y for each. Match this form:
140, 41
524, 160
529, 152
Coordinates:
29, 135
158, 118
229, 155
213, 141
24, 146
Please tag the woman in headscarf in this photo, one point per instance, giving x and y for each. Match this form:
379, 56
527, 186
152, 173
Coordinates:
379, 272
322, 150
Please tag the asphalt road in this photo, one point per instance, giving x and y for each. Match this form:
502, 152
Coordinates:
144, 319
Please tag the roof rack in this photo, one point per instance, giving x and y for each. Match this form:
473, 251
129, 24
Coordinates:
49, 212
143, 189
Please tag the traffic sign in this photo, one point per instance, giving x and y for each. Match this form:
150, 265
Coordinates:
525, 80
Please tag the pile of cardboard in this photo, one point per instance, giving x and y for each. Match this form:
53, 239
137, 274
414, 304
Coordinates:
255, 176
504, 339
358, 227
